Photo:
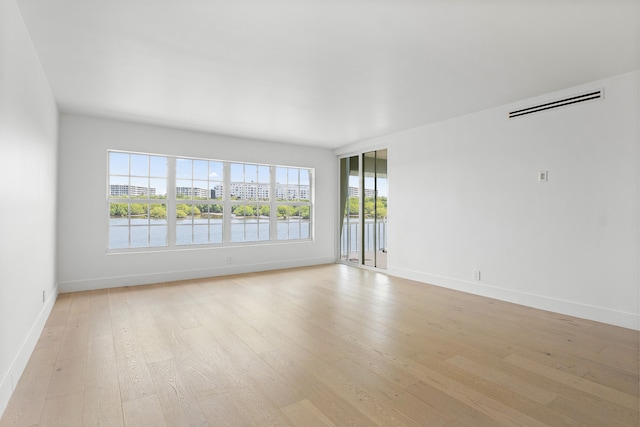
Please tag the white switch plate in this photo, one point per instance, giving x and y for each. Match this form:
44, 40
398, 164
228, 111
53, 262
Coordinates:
543, 176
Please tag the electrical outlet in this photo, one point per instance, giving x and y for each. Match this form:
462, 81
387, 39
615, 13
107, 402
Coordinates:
229, 260
543, 176
476, 275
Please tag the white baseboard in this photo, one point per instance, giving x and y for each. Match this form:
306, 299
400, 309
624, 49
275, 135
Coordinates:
569, 308
19, 364
171, 276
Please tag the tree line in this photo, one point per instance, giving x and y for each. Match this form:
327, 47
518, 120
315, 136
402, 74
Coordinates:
372, 207
183, 210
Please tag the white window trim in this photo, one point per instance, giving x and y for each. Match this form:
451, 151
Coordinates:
171, 202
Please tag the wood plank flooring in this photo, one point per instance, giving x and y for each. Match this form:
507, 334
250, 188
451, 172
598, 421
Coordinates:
329, 345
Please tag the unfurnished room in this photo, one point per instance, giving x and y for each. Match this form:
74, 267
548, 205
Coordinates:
320, 213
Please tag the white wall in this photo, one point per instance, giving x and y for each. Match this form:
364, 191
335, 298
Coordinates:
28, 150
83, 262
464, 193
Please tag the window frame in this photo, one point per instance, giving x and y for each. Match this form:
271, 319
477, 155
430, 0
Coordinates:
226, 201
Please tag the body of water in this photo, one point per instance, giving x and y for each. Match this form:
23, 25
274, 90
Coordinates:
145, 232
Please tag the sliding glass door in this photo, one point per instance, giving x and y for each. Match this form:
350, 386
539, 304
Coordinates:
363, 208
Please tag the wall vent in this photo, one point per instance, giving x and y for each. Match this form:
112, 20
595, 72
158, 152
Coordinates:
598, 94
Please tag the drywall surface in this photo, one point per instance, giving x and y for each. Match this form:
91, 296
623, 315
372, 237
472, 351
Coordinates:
465, 196
83, 260
28, 149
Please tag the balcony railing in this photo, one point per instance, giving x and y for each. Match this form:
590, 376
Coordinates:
375, 236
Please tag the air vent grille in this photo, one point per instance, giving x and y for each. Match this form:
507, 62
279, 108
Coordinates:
598, 94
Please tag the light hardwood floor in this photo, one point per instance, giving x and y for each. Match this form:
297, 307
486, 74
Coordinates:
321, 346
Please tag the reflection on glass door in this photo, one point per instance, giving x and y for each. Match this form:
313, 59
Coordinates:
374, 203
350, 209
363, 207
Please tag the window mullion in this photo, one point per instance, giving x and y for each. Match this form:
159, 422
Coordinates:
171, 201
273, 205
226, 202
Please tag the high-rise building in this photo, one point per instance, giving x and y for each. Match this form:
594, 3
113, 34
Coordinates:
125, 190
192, 192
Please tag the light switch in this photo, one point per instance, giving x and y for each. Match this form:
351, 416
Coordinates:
543, 176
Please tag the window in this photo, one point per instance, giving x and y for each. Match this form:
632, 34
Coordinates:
249, 191
137, 200
294, 203
166, 201
199, 203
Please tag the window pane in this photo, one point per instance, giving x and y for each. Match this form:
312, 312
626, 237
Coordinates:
158, 188
281, 175
216, 211
118, 164
304, 176
139, 237
264, 174
183, 211
200, 234
305, 230
283, 212
293, 176
183, 189
263, 231
217, 191
200, 190
215, 171
200, 169
215, 232
139, 187
237, 230
158, 166
158, 236
294, 229
240, 192
283, 230
138, 213
183, 234
118, 236
251, 191
183, 168
237, 172
251, 230
250, 173
304, 193
158, 214
119, 186
199, 218
139, 165
119, 210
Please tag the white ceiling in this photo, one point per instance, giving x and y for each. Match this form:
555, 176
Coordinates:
322, 72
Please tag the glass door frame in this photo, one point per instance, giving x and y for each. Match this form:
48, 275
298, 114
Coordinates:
346, 171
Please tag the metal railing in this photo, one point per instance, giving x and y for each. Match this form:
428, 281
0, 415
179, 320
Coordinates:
375, 236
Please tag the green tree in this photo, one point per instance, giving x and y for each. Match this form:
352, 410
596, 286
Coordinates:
283, 212
118, 209
304, 212
158, 211
138, 209
354, 206
381, 208
368, 207
183, 211
245, 210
